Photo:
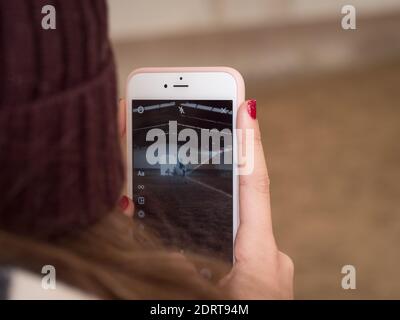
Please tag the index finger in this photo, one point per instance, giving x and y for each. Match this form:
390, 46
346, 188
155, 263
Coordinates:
255, 207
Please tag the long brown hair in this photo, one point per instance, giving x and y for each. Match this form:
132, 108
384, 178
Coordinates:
108, 260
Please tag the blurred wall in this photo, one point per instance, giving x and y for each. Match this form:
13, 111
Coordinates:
260, 38
136, 19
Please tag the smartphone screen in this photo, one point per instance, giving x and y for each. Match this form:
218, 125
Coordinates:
183, 173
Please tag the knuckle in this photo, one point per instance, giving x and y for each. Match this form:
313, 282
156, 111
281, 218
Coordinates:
240, 258
261, 182
287, 262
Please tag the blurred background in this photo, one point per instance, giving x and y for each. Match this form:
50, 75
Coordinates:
329, 110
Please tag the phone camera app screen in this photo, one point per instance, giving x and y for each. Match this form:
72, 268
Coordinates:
182, 173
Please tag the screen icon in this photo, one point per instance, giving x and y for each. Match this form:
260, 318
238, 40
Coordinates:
140, 173
140, 200
141, 214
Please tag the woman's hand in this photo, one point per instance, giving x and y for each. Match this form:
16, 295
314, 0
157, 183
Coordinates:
260, 271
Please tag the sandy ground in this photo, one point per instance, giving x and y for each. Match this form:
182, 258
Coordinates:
187, 214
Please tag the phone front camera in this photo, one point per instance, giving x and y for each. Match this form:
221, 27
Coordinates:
165, 86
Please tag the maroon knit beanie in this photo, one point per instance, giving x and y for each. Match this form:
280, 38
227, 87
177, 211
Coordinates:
60, 157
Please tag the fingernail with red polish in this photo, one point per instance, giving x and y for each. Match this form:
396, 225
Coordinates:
252, 108
123, 202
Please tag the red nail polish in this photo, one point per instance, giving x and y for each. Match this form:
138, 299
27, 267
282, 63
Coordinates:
252, 108
123, 202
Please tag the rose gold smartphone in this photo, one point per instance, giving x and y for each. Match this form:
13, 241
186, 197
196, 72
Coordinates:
181, 155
